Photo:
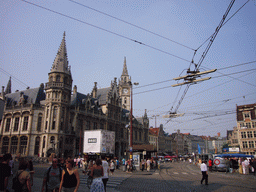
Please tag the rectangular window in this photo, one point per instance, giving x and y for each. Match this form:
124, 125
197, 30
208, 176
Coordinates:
243, 135
94, 125
25, 123
249, 134
254, 132
248, 125
251, 144
245, 144
140, 136
87, 125
53, 125
253, 124
39, 123
7, 125
101, 126
241, 125
16, 124
46, 124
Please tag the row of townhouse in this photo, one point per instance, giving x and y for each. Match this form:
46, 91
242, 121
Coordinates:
184, 143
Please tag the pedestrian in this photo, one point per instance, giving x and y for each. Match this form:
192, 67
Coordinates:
79, 161
5, 172
30, 169
204, 173
231, 165
245, 166
117, 164
112, 167
142, 165
75, 161
227, 163
210, 165
105, 171
96, 174
123, 160
52, 177
240, 169
148, 165
23, 176
70, 180
254, 166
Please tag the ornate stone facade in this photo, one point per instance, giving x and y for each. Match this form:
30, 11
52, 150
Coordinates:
53, 118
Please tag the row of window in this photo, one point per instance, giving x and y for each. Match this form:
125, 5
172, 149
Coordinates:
16, 124
248, 144
248, 125
248, 134
14, 145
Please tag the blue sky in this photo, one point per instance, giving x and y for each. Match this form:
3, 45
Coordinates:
30, 37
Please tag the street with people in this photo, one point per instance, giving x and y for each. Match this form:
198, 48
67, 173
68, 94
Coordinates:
172, 176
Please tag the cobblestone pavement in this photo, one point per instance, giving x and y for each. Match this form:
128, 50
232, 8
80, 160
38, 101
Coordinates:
172, 177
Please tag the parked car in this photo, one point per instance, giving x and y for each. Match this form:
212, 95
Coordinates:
219, 164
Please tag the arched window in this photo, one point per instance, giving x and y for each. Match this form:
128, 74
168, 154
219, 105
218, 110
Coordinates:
37, 144
51, 79
125, 100
14, 144
23, 145
5, 145
39, 122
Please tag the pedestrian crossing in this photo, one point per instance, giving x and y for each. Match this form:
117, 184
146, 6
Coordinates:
113, 181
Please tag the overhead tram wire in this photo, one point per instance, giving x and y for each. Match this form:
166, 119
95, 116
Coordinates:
223, 24
250, 70
111, 32
197, 66
131, 24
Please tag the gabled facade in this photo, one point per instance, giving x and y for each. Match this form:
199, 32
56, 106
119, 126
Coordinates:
53, 117
246, 128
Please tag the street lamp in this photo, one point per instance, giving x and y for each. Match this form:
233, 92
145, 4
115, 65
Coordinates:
131, 135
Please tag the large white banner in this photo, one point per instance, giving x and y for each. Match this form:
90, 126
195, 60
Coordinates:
99, 141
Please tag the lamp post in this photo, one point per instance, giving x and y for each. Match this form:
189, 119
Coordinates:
131, 134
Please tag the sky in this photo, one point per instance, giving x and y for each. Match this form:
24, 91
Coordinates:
158, 39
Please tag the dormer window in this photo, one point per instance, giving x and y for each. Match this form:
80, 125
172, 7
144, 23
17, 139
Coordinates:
247, 115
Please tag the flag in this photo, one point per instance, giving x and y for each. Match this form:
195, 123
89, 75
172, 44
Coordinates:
199, 149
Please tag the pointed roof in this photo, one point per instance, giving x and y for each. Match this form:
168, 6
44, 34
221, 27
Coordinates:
8, 88
60, 63
125, 71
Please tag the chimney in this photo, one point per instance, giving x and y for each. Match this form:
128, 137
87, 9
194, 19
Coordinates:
218, 134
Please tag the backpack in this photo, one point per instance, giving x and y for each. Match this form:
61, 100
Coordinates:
48, 175
16, 184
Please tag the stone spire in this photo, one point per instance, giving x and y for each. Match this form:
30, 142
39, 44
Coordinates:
8, 88
125, 71
60, 63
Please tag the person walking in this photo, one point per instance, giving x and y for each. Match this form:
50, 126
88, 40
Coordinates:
96, 174
254, 166
227, 162
148, 164
105, 171
24, 177
204, 173
210, 165
52, 177
112, 167
70, 180
5, 172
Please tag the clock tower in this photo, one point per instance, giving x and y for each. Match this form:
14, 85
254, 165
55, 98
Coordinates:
125, 88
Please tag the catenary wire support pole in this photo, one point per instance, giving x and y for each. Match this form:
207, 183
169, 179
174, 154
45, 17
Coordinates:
131, 117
